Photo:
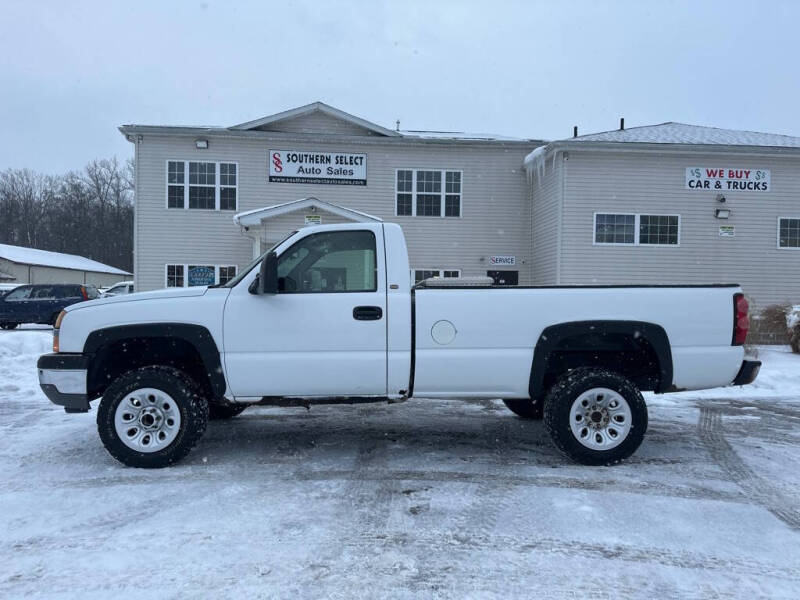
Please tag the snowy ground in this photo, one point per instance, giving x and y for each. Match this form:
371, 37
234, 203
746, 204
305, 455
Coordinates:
425, 499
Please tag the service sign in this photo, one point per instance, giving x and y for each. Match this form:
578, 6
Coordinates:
313, 219
296, 166
503, 261
201, 275
727, 179
727, 231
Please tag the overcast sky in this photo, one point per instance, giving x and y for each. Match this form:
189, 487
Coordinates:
72, 72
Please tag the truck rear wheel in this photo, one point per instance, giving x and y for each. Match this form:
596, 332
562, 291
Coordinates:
151, 417
595, 416
527, 409
219, 412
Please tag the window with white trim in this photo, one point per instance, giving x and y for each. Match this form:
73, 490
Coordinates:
636, 229
175, 276
423, 274
226, 273
428, 193
788, 232
191, 275
209, 185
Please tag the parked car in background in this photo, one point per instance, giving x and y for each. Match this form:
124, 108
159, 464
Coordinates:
41, 303
123, 287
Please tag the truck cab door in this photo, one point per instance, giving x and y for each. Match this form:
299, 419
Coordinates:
324, 332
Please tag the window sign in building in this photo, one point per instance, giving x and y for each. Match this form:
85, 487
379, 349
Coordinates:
201, 275
727, 179
294, 166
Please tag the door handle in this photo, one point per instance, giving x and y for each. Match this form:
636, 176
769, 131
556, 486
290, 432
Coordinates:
367, 313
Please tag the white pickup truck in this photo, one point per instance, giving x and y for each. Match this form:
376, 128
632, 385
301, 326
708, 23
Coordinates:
329, 316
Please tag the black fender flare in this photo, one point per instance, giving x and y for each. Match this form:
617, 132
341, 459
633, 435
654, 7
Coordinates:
552, 336
196, 335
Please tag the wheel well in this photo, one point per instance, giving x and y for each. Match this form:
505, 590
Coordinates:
119, 356
638, 351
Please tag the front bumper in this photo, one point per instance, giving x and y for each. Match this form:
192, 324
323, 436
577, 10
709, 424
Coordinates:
62, 378
748, 372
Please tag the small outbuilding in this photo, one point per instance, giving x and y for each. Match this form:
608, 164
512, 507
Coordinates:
29, 265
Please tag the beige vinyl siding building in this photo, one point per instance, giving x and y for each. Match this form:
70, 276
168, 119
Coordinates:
618, 207
494, 213
627, 173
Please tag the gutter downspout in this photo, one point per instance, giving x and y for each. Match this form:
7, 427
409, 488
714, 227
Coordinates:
560, 221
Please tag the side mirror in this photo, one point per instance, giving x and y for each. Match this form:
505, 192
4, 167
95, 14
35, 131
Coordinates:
268, 276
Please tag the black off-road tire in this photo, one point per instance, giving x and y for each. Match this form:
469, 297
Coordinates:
192, 405
221, 411
8, 325
558, 402
526, 409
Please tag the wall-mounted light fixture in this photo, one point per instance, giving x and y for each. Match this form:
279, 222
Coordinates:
201, 144
722, 213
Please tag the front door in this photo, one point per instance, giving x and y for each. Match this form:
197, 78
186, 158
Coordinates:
324, 333
504, 277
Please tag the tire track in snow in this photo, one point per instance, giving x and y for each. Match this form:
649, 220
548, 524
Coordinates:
760, 490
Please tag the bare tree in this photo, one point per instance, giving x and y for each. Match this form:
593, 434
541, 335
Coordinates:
89, 213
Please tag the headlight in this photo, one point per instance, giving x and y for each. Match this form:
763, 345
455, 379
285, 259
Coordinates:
55, 329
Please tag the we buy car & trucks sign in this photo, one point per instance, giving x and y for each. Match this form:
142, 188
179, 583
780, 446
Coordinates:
727, 179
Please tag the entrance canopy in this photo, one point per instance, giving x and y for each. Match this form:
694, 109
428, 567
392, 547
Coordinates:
254, 223
259, 215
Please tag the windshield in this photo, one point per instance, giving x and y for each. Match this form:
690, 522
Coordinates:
249, 267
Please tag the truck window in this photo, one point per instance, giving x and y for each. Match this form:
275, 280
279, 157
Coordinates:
336, 261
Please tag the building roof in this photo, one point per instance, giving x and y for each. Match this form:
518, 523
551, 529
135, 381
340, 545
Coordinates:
255, 128
682, 133
458, 135
316, 107
696, 137
45, 258
254, 217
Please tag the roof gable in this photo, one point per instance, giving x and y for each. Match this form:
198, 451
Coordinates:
255, 217
316, 117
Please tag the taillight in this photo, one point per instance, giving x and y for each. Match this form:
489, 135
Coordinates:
84, 294
741, 322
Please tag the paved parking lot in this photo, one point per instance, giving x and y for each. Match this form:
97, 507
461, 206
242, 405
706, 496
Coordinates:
424, 499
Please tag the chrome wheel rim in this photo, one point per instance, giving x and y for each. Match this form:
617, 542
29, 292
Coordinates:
147, 420
600, 419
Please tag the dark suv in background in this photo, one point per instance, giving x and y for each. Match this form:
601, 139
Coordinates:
41, 303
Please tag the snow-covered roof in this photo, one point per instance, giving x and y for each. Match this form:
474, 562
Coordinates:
681, 133
457, 135
666, 133
255, 216
45, 258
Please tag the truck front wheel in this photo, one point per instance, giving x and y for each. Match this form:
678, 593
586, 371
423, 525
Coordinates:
595, 416
151, 417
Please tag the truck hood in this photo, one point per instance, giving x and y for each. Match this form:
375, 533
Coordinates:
140, 296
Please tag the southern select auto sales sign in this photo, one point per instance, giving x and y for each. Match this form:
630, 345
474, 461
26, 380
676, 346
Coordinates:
727, 179
296, 166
